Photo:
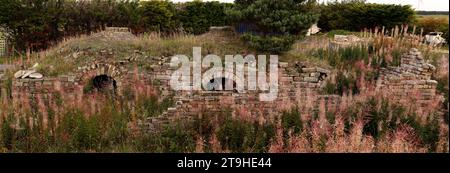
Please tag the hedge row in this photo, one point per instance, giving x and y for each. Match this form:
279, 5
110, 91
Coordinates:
357, 15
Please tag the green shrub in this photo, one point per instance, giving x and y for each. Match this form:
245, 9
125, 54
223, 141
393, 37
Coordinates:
382, 118
291, 120
78, 132
291, 123
352, 54
159, 15
197, 17
116, 128
234, 135
427, 132
338, 32
86, 134
357, 15
204, 125
263, 137
275, 24
272, 44
443, 88
242, 136
376, 116
344, 57
176, 138
7, 84
151, 106
344, 84
329, 88
7, 133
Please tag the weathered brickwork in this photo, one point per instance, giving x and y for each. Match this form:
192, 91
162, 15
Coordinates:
411, 80
296, 82
298, 85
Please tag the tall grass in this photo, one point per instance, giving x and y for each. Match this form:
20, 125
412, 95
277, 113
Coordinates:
82, 123
366, 124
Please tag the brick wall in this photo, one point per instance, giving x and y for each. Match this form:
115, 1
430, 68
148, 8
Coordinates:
298, 85
411, 80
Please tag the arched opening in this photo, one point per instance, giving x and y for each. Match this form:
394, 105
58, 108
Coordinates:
322, 76
104, 83
219, 84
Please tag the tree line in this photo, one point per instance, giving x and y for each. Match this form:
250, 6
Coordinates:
273, 26
37, 24
355, 15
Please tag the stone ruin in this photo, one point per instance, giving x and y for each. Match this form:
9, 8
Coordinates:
101, 70
297, 81
114, 33
411, 79
345, 40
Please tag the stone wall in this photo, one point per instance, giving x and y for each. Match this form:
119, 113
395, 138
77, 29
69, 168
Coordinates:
300, 85
32, 88
297, 85
411, 80
73, 87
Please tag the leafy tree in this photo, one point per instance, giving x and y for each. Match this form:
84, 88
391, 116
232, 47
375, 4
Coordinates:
37, 24
25, 21
159, 15
197, 16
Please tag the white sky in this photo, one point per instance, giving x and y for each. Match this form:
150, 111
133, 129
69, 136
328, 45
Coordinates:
426, 5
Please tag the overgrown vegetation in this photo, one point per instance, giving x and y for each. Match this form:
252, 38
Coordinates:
100, 125
364, 121
240, 136
373, 124
197, 16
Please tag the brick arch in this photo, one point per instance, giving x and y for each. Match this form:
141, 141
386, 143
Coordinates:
97, 69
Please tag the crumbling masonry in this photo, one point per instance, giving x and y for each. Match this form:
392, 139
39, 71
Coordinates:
297, 82
411, 80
